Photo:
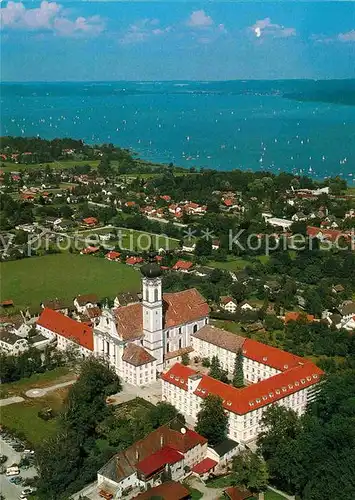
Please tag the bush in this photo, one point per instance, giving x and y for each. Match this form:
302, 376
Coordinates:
206, 362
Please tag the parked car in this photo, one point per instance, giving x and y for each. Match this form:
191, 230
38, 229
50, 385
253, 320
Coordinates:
3, 459
13, 470
16, 480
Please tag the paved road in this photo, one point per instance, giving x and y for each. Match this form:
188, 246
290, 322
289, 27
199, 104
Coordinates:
10, 401
38, 393
9, 490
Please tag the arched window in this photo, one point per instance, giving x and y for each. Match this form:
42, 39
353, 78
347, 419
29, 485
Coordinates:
147, 294
180, 343
156, 295
195, 328
167, 347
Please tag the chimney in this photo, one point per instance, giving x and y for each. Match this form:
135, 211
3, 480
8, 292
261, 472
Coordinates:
137, 455
161, 440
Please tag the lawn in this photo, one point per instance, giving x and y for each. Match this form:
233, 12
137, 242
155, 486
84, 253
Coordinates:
133, 240
232, 264
23, 419
230, 326
271, 495
195, 494
59, 165
30, 281
220, 482
57, 376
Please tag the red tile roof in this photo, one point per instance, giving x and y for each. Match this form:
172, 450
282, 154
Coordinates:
183, 265
270, 356
252, 397
204, 466
90, 250
137, 356
112, 255
130, 203
295, 316
90, 220
226, 300
234, 493
166, 197
89, 298
93, 312
133, 260
8, 302
167, 491
228, 203
178, 308
158, 460
67, 327
184, 307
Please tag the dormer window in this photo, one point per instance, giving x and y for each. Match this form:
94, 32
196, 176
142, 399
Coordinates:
264, 398
264, 358
277, 391
285, 366
258, 400
297, 384
290, 386
303, 381
271, 394
315, 376
309, 379
284, 389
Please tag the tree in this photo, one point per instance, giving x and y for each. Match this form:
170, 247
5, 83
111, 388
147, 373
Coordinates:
163, 413
203, 247
250, 471
215, 369
185, 360
238, 374
212, 420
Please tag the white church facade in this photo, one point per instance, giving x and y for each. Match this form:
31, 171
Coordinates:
140, 339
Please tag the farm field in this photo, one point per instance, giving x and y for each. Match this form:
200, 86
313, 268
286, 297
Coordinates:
231, 264
30, 281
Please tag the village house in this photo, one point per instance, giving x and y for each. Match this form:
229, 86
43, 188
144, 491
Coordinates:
84, 302
127, 298
113, 256
182, 266
229, 304
10, 343
140, 466
56, 304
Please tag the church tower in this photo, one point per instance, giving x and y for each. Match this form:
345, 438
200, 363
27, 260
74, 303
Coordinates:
153, 311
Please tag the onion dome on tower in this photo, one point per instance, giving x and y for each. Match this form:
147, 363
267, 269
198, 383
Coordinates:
151, 269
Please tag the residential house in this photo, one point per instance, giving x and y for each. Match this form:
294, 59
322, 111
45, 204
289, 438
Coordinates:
90, 250
133, 260
90, 221
84, 302
140, 466
229, 304
10, 343
223, 452
182, 266
113, 256
56, 304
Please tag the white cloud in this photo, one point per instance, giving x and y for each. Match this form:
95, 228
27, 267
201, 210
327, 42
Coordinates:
49, 16
143, 30
265, 28
347, 37
199, 19
341, 37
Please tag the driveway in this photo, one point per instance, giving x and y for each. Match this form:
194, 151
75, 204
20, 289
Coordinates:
11, 491
208, 493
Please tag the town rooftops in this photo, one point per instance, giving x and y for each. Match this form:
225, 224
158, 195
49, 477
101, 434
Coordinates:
126, 298
8, 337
169, 490
178, 308
135, 355
90, 298
252, 397
67, 327
112, 255
178, 352
220, 338
270, 356
133, 260
226, 300
347, 308
91, 221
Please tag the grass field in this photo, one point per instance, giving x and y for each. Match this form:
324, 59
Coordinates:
57, 376
30, 281
230, 326
231, 264
13, 167
133, 240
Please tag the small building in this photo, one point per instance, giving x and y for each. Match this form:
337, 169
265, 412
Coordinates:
84, 302
224, 451
182, 266
7, 304
56, 304
229, 304
145, 365
127, 298
10, 343
296, 316
89, 250
235, 493
134, 260
204, 468
113, 256
170, 490
90, 221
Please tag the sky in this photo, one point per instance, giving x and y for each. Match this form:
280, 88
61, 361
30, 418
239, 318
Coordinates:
176, 40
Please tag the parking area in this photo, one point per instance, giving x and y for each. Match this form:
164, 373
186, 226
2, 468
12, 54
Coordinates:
9, 490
